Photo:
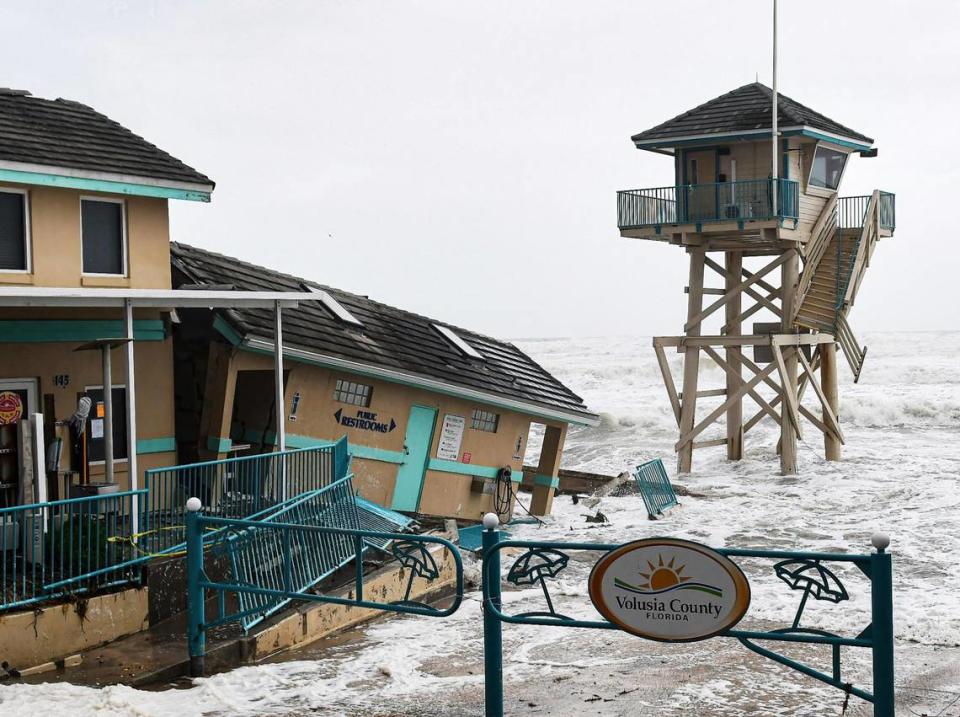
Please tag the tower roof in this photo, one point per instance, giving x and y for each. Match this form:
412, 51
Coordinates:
744, 111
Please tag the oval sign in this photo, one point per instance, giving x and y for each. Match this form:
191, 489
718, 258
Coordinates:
669, 590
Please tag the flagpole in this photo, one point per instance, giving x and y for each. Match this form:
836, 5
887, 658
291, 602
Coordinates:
773, 131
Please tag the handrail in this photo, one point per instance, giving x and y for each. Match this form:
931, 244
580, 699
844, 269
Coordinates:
823, 231
745, 200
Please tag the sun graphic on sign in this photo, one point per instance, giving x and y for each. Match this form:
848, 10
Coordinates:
662, 576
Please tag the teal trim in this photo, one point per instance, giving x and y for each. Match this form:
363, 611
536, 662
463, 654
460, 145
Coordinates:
549, 481
465, 469
832, 140
757, 137
369, 453
55, 330
226, 330
156, 445
219, 445
469, 469
101, 185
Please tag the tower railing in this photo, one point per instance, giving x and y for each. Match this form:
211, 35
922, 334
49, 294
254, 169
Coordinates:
747, 200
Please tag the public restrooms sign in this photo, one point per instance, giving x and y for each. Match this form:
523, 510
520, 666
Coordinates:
669, 590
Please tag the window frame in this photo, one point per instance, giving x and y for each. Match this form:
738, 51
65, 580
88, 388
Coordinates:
126, 427
27, 234
826, 191
123, 235
483, 416
337, 390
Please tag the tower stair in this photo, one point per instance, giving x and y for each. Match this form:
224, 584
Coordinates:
836, 259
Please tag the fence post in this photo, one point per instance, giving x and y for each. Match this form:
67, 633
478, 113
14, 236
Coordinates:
881, 597
492, 627
196, 635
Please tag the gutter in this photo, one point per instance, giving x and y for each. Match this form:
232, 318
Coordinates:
264, 346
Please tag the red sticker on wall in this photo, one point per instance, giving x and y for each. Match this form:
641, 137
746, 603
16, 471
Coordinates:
467, 457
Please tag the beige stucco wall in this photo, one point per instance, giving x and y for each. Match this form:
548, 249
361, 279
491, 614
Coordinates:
153, 364
444, 493
32, 637
55, 240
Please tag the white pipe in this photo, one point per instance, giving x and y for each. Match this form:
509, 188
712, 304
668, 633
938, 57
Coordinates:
132, 469
773, 130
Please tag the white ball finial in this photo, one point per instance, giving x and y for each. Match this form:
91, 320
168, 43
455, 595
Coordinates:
194, 504
490, 521
881, 541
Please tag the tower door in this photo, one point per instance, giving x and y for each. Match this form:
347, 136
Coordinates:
701, 194
416, 446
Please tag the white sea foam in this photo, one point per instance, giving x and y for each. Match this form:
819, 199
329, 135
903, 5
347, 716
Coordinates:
901, 474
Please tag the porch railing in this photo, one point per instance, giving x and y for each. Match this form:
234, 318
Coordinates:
851, 211
717, 202
64, 547
234, 487
286, 560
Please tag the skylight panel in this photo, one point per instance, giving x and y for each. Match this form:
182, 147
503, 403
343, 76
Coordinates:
336, 308
452, 337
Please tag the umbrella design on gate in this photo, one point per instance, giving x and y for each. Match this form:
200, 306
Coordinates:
416, 558
814, 579
535, 566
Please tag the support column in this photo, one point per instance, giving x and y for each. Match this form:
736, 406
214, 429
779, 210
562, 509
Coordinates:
734, 266
547, 478
828, 380
691, 360
220, 388
107, 412
132, 469
790, 278
278, 395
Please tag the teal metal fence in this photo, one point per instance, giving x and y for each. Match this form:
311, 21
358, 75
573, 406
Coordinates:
234, 487
286, 545
65, 547
716, 202
655, 487
803, 571
293, 561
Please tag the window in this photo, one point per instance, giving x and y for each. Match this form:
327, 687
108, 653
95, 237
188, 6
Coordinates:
104, 236
452, 337
14, 231
96, 424
484, 421
337, 309
827, 168
356, 394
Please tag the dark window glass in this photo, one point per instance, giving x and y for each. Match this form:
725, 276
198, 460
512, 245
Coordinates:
827, 168
95, 442
13, 232
102, 237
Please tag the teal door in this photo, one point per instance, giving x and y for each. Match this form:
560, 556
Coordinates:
416, 446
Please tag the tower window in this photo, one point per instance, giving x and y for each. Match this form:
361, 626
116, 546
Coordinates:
827, 168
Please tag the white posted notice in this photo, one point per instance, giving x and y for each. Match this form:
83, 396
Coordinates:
451, 436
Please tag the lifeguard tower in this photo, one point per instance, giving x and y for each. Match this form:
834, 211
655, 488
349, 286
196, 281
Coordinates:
746, 220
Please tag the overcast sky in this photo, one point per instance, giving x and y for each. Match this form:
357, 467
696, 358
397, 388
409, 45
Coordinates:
461, 159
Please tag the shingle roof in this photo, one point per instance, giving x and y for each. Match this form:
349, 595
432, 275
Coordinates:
745, 108
64, 133
390, 338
